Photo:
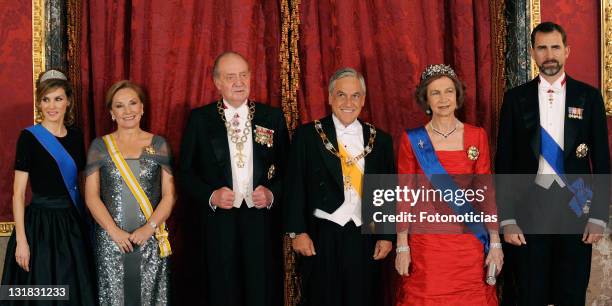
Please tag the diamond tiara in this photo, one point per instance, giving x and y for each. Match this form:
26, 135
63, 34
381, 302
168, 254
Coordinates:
52, 75
437, 70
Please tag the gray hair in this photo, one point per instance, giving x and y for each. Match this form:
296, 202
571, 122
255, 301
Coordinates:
221, 56
343, 73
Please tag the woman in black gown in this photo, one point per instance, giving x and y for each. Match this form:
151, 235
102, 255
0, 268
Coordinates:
48, 245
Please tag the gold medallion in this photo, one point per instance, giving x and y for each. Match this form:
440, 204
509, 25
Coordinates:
473, 153
582, 150
149, 150
271, 172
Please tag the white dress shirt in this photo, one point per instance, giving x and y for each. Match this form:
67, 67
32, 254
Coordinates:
351, 137
242, 178
551, 100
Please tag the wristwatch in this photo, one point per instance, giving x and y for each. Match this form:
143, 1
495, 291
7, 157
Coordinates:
153, 224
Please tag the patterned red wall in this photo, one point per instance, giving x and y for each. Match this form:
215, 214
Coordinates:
581, 21
15, 88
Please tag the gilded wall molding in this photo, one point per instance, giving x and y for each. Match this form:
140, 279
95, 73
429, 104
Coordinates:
535, 18
38, 45
606, 54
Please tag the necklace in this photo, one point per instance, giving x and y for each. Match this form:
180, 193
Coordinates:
234, 132
330, 147
445, 135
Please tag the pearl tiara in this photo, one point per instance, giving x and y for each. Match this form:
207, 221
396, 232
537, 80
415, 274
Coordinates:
52, 75
437, 70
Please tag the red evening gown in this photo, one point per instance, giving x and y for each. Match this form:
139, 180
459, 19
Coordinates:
447, 269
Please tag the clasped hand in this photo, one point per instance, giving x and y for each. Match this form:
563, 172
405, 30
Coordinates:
126, 241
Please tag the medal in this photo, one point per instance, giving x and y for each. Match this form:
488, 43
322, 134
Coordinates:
473, 153
582, 150
271, 172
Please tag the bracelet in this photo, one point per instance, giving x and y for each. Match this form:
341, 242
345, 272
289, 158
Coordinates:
402, 249
153, 224
495, 245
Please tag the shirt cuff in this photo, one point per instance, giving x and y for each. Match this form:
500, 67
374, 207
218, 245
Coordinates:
213, 207
598, 222
272, 202
507, 222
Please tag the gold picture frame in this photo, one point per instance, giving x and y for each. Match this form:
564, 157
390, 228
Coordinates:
606, 54
38, 65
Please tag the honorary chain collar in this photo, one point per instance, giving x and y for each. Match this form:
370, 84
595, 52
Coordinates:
330, 147
237, 138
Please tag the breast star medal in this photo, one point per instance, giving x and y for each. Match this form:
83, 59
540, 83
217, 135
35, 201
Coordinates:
149, 150
582, 150
271, 172
473, 153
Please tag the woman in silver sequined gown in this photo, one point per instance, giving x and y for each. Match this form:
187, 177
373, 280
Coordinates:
129, 268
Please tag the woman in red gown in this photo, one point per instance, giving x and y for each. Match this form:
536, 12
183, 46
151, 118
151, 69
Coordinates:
445, 268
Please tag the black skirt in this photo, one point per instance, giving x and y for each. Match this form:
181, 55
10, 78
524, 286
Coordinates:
59, 253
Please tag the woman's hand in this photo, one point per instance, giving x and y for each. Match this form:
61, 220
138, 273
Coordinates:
122, 239
496, 256
142, 234
22, 255
402, 263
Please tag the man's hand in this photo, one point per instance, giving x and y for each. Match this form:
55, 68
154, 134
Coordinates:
302, 244
382, 249
223, 198
262, 197
514, 235
592, 233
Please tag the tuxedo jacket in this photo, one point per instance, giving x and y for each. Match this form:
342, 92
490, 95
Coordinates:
314, 175
518, 141
205, 163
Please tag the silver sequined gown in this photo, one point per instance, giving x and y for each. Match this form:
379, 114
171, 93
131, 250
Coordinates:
140, 277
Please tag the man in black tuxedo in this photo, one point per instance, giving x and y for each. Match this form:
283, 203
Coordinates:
322, 208
232, 158
552, 130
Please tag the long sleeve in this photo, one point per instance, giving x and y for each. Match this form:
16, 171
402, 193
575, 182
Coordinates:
281, 142
600, 160
191, 181
504, 161
295, 196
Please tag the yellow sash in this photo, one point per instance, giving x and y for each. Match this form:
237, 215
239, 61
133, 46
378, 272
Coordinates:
350, 171
161, 234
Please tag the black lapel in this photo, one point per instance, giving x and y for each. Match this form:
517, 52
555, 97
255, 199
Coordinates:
332, 162
257, 153
366, 137
570, 128
531, 114
221, 145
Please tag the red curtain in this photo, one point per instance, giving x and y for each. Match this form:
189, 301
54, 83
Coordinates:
391, 42
169, 47
17, 109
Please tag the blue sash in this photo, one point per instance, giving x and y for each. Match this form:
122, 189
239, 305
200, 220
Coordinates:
64, 161
439, 178
553, 154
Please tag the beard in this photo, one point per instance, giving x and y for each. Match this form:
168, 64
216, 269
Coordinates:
550, 70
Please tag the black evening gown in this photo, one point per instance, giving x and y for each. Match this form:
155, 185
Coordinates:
56, 233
